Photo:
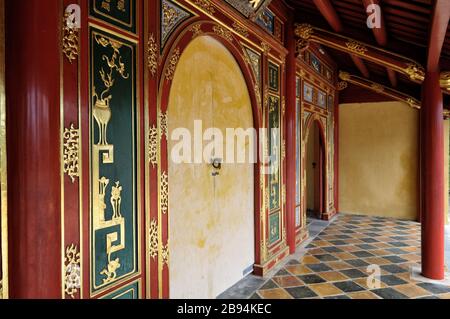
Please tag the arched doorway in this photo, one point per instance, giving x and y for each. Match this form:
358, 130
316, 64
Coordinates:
211, 221
315, 171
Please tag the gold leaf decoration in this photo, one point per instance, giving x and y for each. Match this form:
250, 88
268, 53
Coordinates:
170, 71
153, 146
164, 193
196, 30
356, 47
152, 50
165, 254
415, 72
70, 46
266, 48
304, 31
240, 29
206, 5
72, 271
71, 138
342, 85
224, 33
153, 237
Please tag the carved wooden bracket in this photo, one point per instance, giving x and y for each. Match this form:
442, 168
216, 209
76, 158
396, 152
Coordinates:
380, 89
307, 33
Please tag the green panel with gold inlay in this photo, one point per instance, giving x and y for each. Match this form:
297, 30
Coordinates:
120, 13
128, 292
113, 160
275, 152
274, 228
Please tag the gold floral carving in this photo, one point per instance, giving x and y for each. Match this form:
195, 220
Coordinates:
205, 5
266, 48
153, 146
445, 81
224, 33
165, 254
72, 271
71, 147
163, 125
164, 193
356, 47
377, 87
153, 239
170, 71
344, 76
152, 58
169, 15
342, 85
415, 72
240, 29
304, 31
196, 30
70, 46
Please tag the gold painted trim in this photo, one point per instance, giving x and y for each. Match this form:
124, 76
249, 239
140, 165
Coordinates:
70, 41
445, 81
4, 284
412, 69
152, 55
137, 242
380, 89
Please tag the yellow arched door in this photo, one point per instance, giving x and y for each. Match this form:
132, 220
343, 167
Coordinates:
211, 222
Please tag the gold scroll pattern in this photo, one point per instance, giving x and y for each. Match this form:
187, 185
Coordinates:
71, 145
102, 115
72, 271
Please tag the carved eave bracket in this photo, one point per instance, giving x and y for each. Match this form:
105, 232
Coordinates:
445, 82
380, 89
307, 33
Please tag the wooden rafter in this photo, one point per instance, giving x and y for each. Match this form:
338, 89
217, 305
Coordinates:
329, 13
380, 35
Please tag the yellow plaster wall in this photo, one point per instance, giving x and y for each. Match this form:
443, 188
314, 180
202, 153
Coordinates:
211, 219
378, 145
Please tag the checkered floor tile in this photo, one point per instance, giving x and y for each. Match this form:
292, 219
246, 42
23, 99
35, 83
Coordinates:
340, 263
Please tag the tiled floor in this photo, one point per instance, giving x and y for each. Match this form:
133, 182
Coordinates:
335, 264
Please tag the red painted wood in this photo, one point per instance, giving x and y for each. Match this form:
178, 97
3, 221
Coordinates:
291, 138
379, 33
439, 23
432, 216
392, 77
33, 115
327, 10
359, 63
356, 94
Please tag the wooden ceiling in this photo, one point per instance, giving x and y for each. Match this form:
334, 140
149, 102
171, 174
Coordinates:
407, 24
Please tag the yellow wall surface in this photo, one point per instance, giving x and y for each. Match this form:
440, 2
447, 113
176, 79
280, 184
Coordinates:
211, 218
378, 160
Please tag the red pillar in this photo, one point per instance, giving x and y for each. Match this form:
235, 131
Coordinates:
33, 119
432, 215
290, 136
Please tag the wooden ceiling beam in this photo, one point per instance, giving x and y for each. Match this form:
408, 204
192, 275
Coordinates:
329, 13
438, 31
380, 35
307, 33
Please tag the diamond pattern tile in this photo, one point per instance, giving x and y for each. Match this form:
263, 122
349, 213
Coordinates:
340, 263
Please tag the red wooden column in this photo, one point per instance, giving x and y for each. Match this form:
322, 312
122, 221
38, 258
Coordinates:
33, 117
290, 136
432, 216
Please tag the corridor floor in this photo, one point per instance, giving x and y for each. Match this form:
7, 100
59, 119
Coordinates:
334, 265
